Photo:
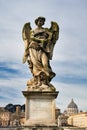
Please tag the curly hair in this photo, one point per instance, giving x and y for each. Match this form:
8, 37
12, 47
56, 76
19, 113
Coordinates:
42, 18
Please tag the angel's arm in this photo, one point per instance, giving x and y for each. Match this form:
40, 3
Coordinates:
39, 39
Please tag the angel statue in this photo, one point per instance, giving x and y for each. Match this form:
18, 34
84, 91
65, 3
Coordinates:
39, 45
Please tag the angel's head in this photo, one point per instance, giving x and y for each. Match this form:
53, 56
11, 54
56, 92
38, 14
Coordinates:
40, 21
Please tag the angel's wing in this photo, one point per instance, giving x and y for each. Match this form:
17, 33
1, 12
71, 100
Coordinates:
26, 38
26, 31
54, 29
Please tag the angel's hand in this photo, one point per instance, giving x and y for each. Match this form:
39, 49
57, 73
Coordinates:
43, 40
24, 59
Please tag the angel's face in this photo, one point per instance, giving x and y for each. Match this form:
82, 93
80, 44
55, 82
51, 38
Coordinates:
40, 22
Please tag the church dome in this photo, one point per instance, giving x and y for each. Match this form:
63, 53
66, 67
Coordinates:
72, 104
72, 108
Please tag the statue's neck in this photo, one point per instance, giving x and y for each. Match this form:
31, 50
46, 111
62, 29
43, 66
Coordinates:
39, 27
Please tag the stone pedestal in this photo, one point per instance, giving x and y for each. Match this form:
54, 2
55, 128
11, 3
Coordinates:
40, 110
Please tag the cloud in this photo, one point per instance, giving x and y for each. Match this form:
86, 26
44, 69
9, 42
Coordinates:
70, 55
13, 79
67, 92
12, 69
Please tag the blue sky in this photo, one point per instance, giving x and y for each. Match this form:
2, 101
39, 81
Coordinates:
70, 52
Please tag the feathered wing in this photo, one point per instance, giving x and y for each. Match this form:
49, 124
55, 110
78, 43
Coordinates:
54, 29
26, 38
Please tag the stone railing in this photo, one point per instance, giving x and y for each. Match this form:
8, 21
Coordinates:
10, 128
59, 128
71, 128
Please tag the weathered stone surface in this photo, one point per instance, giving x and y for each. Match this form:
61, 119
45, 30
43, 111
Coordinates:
40, 108
39, 45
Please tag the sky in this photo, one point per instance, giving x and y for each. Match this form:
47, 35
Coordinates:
69, 60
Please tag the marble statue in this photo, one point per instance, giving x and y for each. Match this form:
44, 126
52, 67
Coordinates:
39, 44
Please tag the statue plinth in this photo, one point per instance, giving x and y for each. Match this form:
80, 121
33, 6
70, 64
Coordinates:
40, 109
40, 94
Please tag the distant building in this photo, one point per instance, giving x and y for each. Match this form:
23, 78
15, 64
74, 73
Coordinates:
62, 120
8, 118
79, 120
5, 117
17, 118
72, 108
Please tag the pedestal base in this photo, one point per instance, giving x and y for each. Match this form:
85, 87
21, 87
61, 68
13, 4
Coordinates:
40, 128
40, 110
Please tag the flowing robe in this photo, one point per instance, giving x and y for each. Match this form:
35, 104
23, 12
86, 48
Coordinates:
39, 53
